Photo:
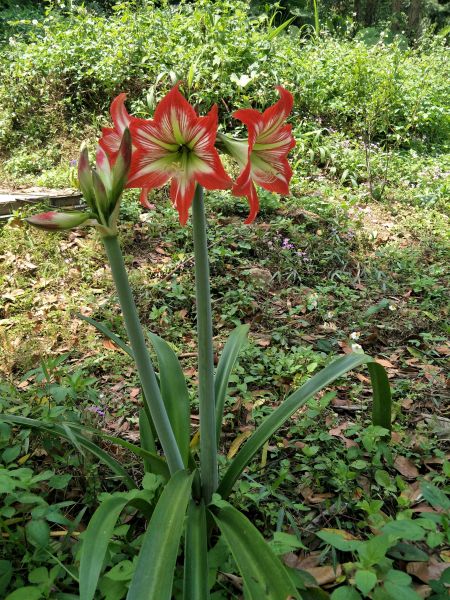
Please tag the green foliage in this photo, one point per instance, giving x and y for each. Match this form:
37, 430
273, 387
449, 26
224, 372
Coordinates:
63, 74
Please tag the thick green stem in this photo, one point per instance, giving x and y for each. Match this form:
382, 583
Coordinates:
208, 456
152, 394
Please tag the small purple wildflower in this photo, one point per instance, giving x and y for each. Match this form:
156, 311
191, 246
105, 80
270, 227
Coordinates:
73, 163
286, 244
97, 410
303, 256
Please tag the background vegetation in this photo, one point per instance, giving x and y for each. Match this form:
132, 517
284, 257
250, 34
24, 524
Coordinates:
357, 254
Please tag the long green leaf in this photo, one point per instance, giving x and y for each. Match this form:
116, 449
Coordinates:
263, 573
382, 398
157, 464
153, 577
113, 464
237, 339
275, 420
108, 333
274, 32
147, 438
174, 392
196, 554
95, 543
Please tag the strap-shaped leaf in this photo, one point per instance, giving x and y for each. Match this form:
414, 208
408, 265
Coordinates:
96, 539
196, 554
147, 438
174, 392
59, 431
108, 333
296, 400
156, 463
382, 397
153, 577
236, 340
264, 574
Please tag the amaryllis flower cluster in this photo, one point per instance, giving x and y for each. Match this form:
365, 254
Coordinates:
179, 146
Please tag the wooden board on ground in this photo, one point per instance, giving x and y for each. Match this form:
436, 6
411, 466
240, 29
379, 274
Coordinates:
13, 200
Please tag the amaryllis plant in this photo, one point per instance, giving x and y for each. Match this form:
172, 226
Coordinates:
179, 147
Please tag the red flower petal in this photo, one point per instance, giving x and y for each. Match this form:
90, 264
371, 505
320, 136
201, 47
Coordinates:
179, 145
175, 111
205, 133
269, 142
146, 172
143, 199
110, 141
119, 113
254, 204
182, 193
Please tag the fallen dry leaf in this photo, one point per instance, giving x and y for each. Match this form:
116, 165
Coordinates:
325, 574
397, 436
312, 498
406, 467
426, 572
263, 340
109, 345
407, 403
443, 350
385, 363
310, 561
237, 443
423, 591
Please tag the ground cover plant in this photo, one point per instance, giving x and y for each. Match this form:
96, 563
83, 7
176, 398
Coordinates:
356, 255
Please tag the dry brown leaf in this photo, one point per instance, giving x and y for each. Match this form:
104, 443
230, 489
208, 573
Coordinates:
423, 590
237, 443
425, 508
397, 436
310, 561
426, 572
135, 392
362, 378
312, 498
109, 345
190, 372
406, 467
443, 350
337, 432
407, 403
263, 340
385, 363
325, 574
13, 294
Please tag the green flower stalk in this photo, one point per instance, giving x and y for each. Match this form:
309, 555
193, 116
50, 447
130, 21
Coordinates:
102, 189
206, 395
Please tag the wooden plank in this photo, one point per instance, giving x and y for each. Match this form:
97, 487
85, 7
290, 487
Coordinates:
11, 201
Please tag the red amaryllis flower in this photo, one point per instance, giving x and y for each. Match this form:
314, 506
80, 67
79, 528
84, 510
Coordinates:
177, 144
112, 136
269, 142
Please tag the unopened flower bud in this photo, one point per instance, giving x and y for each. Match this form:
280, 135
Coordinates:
54, 221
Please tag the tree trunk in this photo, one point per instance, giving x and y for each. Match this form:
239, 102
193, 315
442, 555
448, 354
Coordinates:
370, 12
414, 17
396, 15
357, 10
